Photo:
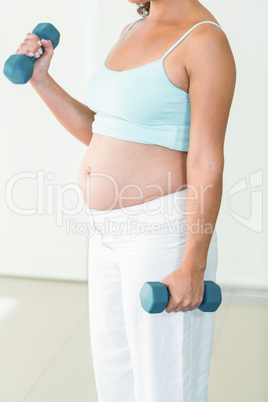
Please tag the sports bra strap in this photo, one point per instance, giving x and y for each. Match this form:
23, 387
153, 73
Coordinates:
172, 47
120, 38
187, 33
129, 27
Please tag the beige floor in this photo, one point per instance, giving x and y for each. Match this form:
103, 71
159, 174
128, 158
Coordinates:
45, 353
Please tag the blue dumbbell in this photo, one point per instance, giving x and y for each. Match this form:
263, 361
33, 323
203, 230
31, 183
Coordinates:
154, 297
19, 68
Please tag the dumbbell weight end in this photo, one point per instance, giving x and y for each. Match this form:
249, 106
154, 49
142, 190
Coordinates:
154, 297
19, 68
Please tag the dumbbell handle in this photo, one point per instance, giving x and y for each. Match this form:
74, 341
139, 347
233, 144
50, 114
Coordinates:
154, 297
19, 68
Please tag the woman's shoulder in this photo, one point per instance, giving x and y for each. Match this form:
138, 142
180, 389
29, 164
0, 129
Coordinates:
125, 28
208, 40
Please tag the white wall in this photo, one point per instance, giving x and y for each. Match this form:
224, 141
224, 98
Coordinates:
242, 223
32, 140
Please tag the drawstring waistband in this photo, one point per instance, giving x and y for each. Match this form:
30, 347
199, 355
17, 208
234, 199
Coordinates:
167, 207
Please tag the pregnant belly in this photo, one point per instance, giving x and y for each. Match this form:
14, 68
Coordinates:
116, 173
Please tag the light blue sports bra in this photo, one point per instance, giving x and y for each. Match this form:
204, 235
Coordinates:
141, 104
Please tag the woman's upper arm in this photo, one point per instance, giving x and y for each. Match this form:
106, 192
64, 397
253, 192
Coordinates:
212, 73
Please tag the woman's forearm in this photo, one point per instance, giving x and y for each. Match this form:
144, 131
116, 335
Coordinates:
73, 115
203, 199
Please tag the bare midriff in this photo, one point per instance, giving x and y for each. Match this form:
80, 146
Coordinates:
115, 173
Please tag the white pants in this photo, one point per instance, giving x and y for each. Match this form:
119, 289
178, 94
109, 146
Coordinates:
139, 356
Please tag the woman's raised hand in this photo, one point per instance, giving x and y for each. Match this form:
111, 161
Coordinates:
31, 46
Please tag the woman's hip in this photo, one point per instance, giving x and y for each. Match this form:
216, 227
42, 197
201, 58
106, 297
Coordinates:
151, 234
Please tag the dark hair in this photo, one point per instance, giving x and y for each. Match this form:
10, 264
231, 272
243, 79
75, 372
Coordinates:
143, 9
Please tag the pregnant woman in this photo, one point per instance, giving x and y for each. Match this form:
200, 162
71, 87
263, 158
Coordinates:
154, 125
